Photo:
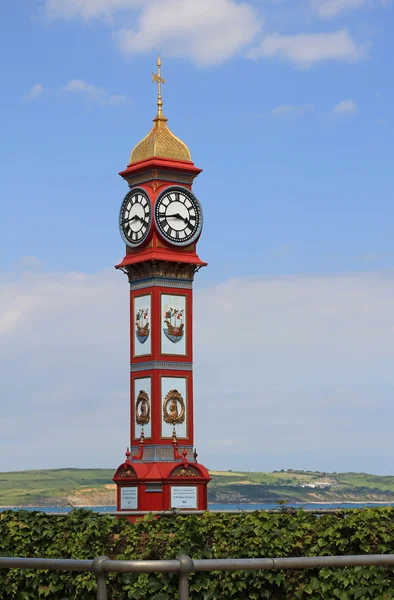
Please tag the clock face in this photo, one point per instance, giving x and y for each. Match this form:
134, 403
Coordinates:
135, 217
178, 216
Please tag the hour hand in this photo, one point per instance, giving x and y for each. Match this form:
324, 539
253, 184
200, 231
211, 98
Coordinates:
178, 216
131, 219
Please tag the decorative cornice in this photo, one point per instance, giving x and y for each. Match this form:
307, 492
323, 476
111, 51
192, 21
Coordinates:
161, 282
161, 453
161, 176
158, 364
160, 268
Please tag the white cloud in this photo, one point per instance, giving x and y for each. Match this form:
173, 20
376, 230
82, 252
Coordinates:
291, 110
307, 49
285, 364
87, 9
82, 88
331, 8
346, 107
36, 90
203, 31
209, 33
8, 319
94, 93
206, 32
226, 443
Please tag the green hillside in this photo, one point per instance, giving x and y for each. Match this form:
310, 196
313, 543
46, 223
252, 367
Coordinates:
300, 486
94, 487
56, 487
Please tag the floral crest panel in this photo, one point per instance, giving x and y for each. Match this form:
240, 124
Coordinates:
174, 407
142, 407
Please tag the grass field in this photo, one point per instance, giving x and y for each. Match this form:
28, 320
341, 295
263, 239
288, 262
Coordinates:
55, 486
89, 487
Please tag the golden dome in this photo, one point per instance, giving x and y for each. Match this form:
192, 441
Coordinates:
160, 141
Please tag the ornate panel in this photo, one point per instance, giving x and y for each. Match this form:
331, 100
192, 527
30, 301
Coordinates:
184, 472
173, 325
127, 473
142, 325
174, 406
142, 407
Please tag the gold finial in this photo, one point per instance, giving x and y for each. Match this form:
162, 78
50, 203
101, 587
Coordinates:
159, 80
160, 141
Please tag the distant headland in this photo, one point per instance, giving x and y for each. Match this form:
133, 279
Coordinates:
94, 487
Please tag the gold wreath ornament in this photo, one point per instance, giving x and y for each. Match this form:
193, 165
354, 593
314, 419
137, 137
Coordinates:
171, 412
142, 409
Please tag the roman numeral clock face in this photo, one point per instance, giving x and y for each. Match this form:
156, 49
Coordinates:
178, 216
135, 217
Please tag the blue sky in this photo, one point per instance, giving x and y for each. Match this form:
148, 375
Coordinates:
287, 105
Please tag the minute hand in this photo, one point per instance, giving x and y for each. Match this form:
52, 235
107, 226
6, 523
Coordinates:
135, 218
178, 216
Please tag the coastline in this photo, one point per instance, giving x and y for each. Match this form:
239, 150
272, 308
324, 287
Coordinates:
271, 505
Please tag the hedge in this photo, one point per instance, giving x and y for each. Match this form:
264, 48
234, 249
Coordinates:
84, 535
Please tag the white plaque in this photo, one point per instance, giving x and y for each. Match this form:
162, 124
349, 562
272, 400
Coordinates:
184, 496
128, 498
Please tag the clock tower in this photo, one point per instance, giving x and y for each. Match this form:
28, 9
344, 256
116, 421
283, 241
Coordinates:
160, 221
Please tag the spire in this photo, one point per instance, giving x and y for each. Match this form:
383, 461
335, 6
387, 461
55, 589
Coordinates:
160, 141
159, 80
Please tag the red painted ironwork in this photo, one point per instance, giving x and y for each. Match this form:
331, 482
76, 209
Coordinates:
154, 478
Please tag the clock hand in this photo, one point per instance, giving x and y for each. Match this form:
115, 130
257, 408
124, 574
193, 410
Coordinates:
132, 219
178, 216
128, 220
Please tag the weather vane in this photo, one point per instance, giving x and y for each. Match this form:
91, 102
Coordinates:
159, 80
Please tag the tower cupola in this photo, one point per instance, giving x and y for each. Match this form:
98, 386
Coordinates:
160, 141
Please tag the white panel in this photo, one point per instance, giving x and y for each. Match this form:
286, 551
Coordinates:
168, 384
129, 498
184, 496
173, 325
142, 324
143, 384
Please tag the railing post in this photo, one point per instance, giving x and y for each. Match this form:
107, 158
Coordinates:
187, 567
102, 593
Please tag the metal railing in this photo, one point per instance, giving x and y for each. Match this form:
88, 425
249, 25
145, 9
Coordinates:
184, 566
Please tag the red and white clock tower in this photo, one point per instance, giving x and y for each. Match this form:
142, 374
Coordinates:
161, 221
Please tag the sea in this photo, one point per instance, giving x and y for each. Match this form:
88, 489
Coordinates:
221, 507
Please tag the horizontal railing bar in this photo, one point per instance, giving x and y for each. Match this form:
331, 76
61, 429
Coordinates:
309, 562
253, 564
230, 564
53, 564
141, 566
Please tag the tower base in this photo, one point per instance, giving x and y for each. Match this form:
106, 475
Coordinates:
157, 486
